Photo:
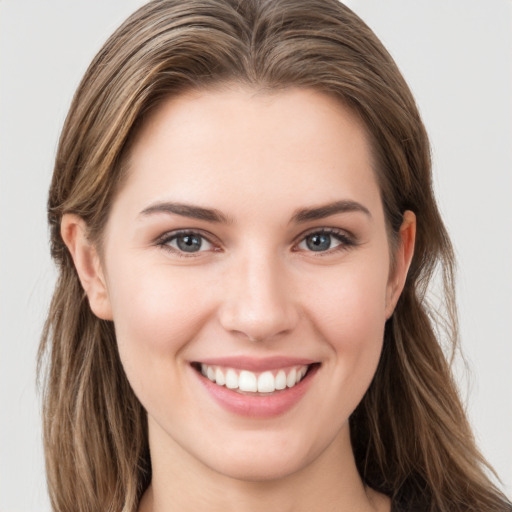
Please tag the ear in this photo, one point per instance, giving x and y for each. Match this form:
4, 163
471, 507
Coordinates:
74, 231
403, 258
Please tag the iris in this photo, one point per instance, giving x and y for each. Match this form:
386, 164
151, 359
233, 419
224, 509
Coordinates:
189, 243
318, 242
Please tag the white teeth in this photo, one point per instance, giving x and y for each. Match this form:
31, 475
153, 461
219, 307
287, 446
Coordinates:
219, 377
245, 380
292, 376
231, 379
280, 380
266, 383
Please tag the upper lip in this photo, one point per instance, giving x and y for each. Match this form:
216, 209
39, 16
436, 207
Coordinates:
256, 364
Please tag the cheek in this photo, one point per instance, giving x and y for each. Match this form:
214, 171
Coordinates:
350, 315
153, 317
350, 304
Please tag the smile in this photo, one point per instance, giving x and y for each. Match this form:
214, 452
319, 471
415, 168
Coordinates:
256, 388
253, 382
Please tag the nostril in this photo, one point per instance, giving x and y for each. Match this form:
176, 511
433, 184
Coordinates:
259, 305
258, 330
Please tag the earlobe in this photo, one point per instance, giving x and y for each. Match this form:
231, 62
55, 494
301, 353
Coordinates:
87, 263
403, 258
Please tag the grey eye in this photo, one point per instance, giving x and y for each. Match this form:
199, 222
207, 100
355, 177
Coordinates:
323, 241
189, 242
318, 242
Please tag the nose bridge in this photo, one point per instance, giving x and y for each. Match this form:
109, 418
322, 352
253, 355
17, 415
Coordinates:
259, 302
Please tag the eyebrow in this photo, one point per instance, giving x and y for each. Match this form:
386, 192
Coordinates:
187, 210
326, 210
214, 215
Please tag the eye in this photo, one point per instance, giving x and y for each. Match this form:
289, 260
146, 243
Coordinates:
325, 240
185, 242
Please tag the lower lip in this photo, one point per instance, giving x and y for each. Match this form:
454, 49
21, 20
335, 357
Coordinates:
258, 406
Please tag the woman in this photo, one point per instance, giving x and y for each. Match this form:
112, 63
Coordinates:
243, 192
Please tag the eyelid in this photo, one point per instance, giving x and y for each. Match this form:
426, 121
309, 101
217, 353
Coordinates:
347, 239
163, 241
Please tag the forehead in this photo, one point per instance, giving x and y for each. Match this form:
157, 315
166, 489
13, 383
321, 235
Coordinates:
295, 144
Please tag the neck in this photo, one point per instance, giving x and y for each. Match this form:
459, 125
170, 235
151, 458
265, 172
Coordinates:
329, 483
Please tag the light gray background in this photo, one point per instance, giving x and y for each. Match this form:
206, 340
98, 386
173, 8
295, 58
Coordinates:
457, 57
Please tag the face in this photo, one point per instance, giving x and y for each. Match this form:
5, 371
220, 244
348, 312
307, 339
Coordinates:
246, 267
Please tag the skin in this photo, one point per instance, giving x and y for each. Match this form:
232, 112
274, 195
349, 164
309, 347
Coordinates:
254, 289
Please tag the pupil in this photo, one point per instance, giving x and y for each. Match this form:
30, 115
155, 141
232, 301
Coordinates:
318, 242
189, 243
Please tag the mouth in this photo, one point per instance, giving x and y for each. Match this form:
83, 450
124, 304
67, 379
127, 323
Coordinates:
245, 381
256, 389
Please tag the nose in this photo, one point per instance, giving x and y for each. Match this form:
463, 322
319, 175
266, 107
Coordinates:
259, 303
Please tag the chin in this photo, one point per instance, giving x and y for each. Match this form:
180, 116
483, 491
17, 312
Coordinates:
263, 458
264, 468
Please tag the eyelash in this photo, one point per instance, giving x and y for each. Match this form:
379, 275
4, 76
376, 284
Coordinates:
346, 241
167, 238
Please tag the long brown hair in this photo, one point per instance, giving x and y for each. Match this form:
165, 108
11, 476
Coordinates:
410, 435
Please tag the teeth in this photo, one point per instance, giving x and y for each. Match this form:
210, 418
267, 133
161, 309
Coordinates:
231, 379
292, 378
266, 383
280, 379
219, 377
245, 380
